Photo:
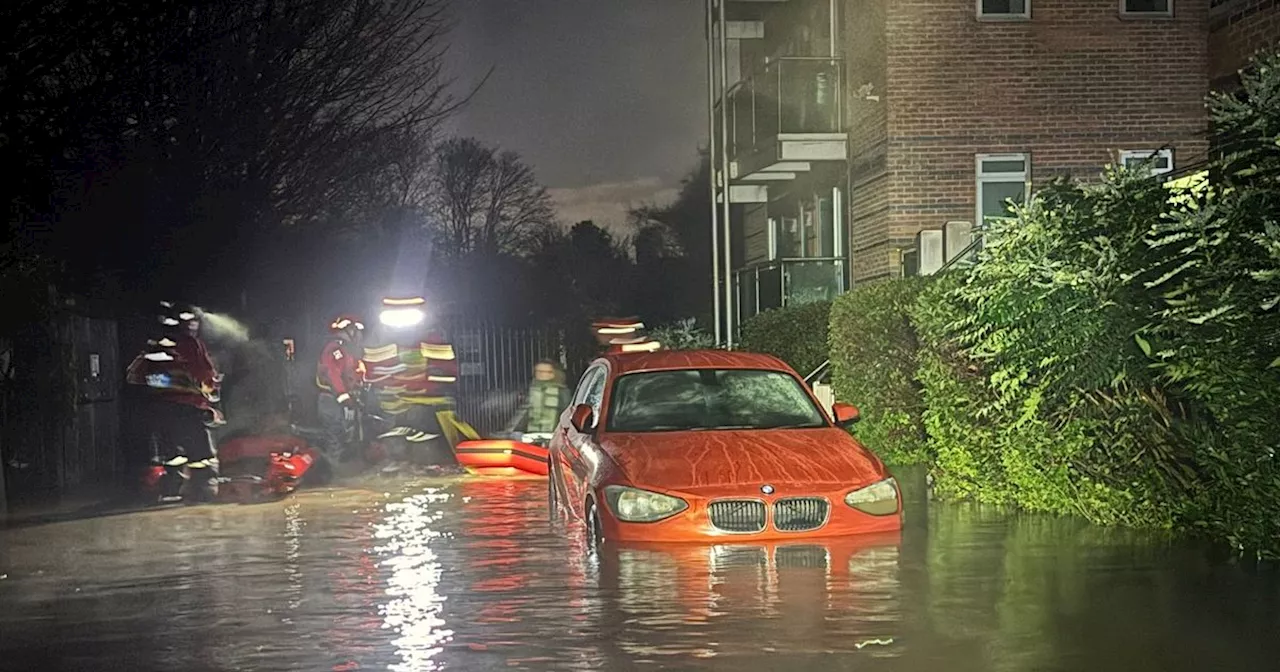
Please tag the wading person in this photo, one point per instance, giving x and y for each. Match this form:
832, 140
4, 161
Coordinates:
338, 378
548, 396
180, 385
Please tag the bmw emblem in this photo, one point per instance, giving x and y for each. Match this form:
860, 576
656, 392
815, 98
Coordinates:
766, 489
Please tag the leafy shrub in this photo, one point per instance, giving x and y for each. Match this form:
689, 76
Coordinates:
796, 334
1214, 273
1043, 323
1116, 349
683, 335
873, 365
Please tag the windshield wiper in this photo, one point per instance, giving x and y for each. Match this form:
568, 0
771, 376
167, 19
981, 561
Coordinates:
801, 425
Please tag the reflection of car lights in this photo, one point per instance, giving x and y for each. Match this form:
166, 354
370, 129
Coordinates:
402, 317
632, 505
877, 499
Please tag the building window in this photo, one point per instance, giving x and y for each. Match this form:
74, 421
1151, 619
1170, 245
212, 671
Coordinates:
1004, 9
1146, 7
1001, 178
1161, 161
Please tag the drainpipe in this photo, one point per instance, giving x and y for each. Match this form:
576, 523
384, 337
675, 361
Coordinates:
711, 163
831, 34
724, 168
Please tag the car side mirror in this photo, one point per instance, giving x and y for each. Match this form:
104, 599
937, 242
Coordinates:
845, 414
583, 418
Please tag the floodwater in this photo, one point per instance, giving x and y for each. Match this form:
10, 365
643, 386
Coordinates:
466, 574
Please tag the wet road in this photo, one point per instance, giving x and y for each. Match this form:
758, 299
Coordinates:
466, 575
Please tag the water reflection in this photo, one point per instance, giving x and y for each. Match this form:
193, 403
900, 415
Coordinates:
780, 598
413, 613
466, 575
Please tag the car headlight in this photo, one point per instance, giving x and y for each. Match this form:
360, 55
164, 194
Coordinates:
877, 499
632, 505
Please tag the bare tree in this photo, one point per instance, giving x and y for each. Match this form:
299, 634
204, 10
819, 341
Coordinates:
203, 123
489, 202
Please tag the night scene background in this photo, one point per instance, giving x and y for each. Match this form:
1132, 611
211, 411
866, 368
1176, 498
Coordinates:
1035, 243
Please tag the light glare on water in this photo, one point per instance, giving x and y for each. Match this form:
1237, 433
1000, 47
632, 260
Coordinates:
467, 575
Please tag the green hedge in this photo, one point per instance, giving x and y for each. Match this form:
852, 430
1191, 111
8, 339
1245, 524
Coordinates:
873, 363
796, 334
1114, 352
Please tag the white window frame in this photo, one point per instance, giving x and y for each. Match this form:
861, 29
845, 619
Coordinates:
1126, 13
1024, 16
1145, 154
981, 178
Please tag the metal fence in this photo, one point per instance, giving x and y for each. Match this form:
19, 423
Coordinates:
495, 366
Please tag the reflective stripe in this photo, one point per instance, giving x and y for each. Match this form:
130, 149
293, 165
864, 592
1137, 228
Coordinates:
651, 346
343, 397
415, 301
436, 351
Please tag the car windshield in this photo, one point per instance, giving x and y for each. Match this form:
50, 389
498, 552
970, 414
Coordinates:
709, 399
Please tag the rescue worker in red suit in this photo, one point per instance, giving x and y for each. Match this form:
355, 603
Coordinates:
180, 384
339, 376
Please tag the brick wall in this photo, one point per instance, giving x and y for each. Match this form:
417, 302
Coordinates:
1237, 30
1070, 87
865, 48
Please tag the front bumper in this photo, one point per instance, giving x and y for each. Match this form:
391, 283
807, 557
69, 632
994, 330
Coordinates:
695, 524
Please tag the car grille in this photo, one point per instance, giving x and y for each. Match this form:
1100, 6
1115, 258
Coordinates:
800, 514
737, 515
801, 557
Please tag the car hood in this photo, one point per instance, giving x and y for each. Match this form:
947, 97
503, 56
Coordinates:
716, 462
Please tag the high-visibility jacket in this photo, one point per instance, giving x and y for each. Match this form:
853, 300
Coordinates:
425, 373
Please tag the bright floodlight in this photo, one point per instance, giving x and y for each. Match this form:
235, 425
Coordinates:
402, 317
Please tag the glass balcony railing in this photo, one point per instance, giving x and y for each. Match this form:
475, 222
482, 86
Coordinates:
789, 282
792, 94
802, 95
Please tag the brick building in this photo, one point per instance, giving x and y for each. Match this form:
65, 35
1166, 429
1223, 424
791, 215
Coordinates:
859, 131
1237, 30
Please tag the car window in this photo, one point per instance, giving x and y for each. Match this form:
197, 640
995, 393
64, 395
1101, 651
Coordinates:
595, 392
584, 385
709, 399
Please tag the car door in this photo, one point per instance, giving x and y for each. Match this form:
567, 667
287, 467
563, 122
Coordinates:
578, 453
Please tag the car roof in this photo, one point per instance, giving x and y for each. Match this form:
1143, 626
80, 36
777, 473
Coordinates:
693, 359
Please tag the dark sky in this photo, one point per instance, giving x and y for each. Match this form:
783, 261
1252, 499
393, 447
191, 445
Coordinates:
605, 99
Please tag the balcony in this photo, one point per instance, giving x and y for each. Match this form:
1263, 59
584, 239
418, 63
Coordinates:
789, 282
785, 117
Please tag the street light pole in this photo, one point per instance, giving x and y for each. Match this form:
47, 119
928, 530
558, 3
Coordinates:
724, 175
711, 164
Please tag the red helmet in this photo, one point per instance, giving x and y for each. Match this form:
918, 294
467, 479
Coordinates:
343, 323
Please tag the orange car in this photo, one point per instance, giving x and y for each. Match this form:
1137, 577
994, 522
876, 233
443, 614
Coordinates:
712, 446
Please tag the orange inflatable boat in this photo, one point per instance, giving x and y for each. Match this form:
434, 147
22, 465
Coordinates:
502, 457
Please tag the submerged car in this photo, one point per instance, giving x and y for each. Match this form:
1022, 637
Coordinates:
711, 445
